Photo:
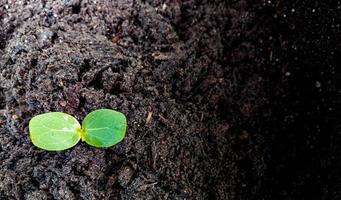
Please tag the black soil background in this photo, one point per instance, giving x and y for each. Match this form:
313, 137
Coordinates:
244, 96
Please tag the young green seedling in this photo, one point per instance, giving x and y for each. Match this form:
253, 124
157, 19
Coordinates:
57, 131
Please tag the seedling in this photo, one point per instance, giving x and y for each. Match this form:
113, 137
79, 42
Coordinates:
57, 131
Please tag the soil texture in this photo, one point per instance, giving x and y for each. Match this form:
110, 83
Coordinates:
225, 99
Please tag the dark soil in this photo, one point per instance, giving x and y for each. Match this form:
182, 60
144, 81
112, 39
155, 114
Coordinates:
245, 98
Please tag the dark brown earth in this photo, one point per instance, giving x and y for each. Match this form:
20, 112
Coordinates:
244, 96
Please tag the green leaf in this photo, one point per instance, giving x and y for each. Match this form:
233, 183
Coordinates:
54, 131
104, 128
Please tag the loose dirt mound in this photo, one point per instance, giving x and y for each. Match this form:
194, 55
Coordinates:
243, 98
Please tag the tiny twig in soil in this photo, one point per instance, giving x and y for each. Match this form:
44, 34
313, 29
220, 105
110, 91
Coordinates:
149, 118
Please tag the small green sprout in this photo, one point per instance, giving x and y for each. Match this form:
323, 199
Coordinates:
57, 131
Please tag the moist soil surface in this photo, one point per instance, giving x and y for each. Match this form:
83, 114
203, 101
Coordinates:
243, 98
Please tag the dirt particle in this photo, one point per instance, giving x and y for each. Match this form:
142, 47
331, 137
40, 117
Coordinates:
163, 56
115, 39
62, 103
244, 135
2, 112
125, 175
318, 84
164, 120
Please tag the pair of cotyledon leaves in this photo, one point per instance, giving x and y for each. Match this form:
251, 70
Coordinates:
57, 131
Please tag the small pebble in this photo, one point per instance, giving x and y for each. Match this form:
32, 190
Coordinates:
14, 117
318, 84
164, 6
